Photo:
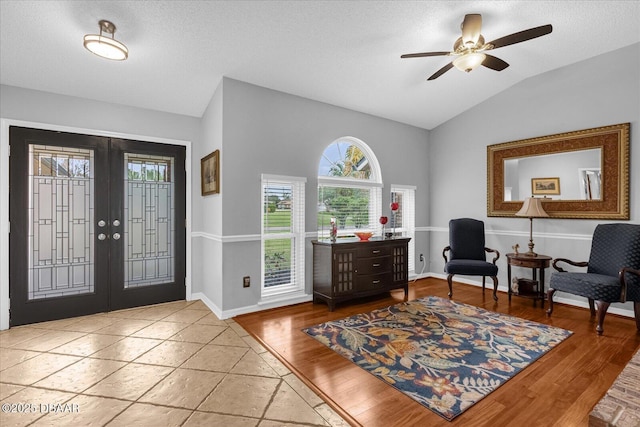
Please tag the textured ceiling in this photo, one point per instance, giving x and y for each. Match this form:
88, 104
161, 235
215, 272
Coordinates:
342, 53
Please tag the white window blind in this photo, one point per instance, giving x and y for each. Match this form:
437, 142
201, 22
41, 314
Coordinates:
283, 234
355, 207
405, 217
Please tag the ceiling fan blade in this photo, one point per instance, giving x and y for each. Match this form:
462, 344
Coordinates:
521, 36
471, 27
494, 63
420, 55
441, 71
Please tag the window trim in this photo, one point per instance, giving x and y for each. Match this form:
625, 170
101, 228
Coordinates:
335, 181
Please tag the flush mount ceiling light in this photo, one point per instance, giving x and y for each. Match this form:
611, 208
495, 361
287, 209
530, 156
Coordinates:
106, 47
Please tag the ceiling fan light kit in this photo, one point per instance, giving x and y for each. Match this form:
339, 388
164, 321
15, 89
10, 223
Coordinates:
470, 48
105, 47
469, 61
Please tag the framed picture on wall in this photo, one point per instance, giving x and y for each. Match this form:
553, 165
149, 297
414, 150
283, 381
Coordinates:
210, 173
545, 186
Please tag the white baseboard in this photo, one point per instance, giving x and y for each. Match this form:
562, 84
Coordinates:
556, 298
585, 304
228, 314
282, 302
202, 297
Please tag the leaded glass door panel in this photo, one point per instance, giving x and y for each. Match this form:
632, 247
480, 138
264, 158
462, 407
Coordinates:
61, 212
148, 201
94, 224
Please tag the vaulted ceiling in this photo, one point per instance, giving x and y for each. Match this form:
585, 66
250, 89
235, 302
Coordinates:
343, 53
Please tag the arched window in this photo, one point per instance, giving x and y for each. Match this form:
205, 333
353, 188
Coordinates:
349, 188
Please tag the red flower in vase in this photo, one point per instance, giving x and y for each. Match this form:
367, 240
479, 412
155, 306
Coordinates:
394, 206
383, 220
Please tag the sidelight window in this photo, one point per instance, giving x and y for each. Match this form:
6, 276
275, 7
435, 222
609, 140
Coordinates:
283, 234
404, 219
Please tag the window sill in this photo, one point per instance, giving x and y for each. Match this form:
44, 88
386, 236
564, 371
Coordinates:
290, 297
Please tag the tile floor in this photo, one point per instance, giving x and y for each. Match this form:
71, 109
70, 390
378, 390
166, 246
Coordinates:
173, 364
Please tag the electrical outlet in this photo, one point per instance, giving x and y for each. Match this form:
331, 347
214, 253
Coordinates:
246, 281
422, 257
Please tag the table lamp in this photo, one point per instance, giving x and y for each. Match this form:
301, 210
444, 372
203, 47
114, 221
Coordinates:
531, 208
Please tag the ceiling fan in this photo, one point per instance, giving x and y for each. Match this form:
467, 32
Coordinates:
470, 49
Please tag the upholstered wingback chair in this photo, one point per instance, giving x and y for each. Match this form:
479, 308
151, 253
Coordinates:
613, 271
467, 253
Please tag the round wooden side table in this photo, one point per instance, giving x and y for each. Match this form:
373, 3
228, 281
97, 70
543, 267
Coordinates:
537, 264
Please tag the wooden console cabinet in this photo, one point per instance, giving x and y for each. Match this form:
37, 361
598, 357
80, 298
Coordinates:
350, 269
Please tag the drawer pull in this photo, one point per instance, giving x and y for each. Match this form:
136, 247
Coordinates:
375, 282
377, 251
376, 265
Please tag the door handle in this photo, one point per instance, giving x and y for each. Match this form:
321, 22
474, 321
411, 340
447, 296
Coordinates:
116, 236
102, 236
116, 222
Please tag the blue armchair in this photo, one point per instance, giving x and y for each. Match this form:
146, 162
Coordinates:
613, 272
467, 253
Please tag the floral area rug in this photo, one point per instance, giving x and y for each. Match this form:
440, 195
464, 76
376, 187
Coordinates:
443, 354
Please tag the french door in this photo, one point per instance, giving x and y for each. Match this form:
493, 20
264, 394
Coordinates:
97, 224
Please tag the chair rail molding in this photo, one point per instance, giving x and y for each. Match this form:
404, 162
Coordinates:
565, 236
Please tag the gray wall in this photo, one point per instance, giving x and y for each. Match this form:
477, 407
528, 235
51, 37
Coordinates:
271, 132
601, 91
257, 131
263, 131
207, 229
44, 107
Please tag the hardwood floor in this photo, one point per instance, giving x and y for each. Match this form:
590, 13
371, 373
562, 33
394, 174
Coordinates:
558, 389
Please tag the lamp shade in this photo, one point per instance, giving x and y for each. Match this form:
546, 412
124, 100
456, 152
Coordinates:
532, 208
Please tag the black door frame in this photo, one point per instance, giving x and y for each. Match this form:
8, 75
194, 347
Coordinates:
19, 246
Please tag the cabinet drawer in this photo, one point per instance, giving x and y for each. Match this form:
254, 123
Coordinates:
374, 281
524, 263
367, 250
373, 265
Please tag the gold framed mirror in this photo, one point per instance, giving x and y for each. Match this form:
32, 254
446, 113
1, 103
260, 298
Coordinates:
586, 171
